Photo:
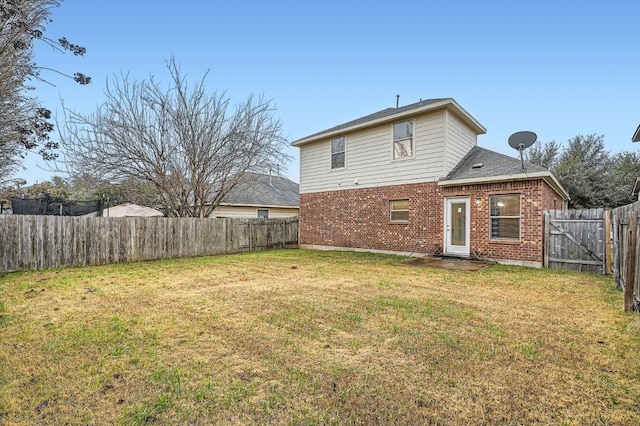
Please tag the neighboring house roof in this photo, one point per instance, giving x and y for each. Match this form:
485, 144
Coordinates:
636, 135
636, 187
127, 210
391, 114
264, 190
491, 166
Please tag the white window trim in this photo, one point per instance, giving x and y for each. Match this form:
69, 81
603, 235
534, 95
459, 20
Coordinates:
258, 213
519, 217
331, 153
413, 141
408, 210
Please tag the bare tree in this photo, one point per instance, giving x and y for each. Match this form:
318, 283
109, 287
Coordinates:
185, 142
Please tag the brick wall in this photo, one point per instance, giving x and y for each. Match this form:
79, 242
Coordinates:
551, 200
359, 218
529, 247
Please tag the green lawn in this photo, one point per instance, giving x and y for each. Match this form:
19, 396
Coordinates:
342, 338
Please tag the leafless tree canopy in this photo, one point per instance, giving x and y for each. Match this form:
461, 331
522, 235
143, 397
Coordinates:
191, 146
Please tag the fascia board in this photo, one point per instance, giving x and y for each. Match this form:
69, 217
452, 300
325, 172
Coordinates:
479, 128
271, 206
547, 176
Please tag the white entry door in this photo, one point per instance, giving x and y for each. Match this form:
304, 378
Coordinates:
456, 226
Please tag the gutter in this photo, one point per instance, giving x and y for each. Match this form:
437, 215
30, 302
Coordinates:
257, 205
544, 175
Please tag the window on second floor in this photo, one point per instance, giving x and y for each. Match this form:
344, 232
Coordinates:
403, 139
263, 214
337, 152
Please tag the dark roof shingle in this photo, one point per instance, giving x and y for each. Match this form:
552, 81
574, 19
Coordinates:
378, 115
493, 164
265, 190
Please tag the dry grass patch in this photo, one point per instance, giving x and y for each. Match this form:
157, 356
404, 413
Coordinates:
346, 338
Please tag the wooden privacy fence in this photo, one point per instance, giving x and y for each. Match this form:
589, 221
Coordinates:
577, 240
39, 242
625, 265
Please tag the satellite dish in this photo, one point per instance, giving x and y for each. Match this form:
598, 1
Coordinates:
522, 141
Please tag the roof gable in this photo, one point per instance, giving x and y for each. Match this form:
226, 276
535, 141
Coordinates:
390, 114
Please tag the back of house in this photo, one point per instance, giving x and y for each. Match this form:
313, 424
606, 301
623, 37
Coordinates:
412, 179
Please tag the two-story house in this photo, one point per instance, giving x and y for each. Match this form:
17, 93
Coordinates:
413, 180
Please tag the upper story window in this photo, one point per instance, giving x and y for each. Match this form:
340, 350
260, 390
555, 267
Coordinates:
263, 214
337, 152
504, 217
403, 139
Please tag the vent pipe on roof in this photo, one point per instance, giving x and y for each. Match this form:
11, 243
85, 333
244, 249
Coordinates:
397, 100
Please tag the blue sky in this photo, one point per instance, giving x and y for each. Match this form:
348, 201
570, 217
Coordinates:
558, 68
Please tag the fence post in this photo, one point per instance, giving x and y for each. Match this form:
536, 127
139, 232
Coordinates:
607, 242
615, 245
630, 267
546, 237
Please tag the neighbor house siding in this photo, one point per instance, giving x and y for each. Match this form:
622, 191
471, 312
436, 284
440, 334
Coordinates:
245, 211
459, 141
369, 158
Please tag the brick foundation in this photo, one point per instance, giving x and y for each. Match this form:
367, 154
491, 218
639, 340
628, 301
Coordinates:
359, 218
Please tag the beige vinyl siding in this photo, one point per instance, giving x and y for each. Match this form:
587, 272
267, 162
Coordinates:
369, 158
460, 140
249, 211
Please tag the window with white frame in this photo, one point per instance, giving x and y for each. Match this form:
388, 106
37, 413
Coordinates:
263, 214
338, 146
399, 210
403, 139
504, 217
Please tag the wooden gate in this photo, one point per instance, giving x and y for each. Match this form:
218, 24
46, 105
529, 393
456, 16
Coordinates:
577, 240
625, 222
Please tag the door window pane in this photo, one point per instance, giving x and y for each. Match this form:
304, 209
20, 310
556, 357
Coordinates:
459, 224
